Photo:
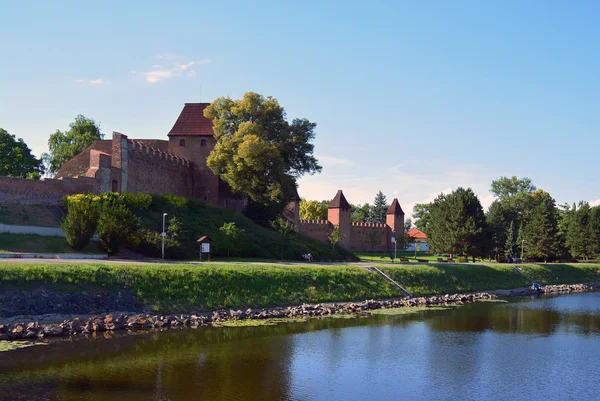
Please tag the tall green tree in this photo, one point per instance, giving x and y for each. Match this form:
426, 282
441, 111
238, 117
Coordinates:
421, 213
63, 146
510, 246
541, 230
379, 209
313, 210
580, 233
258, 152
359, 213
16, 159
458, 225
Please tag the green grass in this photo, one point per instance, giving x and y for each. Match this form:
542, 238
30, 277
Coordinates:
25, 243
200, 219
186, 288
27, 215
385, 257
442, 278
172, 288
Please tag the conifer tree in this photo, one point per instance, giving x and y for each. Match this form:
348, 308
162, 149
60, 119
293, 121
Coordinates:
379, 209
458, 225
541, 232
510, 244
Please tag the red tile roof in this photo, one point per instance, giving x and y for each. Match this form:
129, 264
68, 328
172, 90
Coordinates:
395, 208
191, 121
416, 233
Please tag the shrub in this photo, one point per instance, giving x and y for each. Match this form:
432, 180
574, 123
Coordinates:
176, 201
140, 200
81, 220
115, 224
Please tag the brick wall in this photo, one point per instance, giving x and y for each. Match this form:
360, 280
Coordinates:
316, 229
152, 171
46, 192
360, 233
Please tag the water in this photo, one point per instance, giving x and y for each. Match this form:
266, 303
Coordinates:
546, 348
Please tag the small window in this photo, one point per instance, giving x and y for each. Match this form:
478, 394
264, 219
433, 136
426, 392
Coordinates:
182, 143
115, 186
203, 142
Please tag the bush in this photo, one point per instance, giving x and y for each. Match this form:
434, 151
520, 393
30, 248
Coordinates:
115, 225
140, 200
81, 220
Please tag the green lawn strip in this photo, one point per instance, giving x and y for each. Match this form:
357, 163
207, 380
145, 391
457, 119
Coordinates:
172, 288
26, 243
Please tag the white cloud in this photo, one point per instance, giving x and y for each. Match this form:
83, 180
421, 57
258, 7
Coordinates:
178, 69
595, 202
97, 81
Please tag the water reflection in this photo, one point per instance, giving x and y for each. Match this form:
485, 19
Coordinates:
470, 352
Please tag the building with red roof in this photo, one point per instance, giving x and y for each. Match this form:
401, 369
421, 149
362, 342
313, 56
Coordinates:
417, 241
176, 165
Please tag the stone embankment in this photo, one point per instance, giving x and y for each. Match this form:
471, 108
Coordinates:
135, 322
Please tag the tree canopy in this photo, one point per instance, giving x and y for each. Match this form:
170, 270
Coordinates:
379, 209
258, 152
457, 224
63, 146
313, 210
16, 159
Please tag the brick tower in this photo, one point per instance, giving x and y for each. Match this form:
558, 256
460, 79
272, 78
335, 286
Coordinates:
192, 138
338, 214
394, 218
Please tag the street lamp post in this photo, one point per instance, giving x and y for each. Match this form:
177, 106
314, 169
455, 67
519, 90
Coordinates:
163, 234
522, 246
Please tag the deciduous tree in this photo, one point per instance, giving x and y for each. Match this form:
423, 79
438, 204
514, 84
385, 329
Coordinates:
64, 146
258, 152
313, 210
16, 159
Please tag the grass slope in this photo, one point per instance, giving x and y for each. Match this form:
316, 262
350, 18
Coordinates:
453, 278
200, 219
171, 288
27, 215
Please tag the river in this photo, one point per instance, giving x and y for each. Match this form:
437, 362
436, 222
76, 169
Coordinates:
538, 348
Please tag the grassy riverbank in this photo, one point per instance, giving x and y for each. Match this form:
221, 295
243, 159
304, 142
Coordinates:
185, 288
431, 279
170, 288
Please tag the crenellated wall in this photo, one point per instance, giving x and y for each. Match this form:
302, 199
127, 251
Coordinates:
361, 233
152, 170
317, 229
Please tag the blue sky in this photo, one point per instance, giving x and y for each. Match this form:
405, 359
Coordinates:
412, 98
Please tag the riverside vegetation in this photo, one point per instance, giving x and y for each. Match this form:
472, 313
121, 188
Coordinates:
187, 287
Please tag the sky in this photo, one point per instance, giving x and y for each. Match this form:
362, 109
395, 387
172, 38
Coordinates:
412, 98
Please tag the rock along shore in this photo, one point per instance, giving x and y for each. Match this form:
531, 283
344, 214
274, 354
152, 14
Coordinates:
143, 321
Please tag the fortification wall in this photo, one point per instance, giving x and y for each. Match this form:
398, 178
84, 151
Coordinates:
44, 192
316, 229
151, 170
360, 234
